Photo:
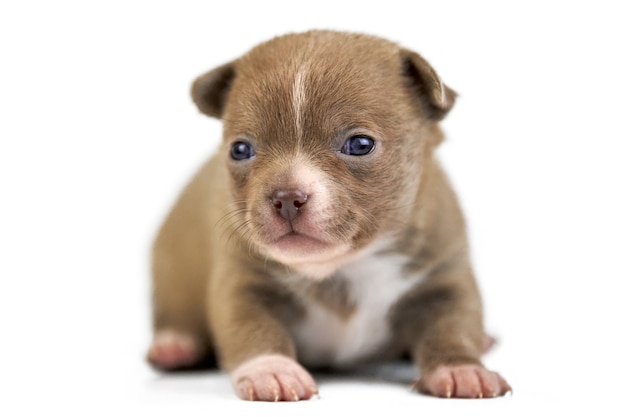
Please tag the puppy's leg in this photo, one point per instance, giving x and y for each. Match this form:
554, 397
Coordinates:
174, 349
179, 263
449, 338
180, 332
252, 342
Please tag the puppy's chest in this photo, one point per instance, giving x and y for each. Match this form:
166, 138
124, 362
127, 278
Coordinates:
348, 320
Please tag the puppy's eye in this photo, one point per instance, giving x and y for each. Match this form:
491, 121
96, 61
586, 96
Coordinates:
241, 150
358, 145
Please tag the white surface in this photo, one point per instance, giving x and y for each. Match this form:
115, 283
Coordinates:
98, 134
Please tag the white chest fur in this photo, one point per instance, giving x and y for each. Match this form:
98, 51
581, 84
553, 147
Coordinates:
374, 283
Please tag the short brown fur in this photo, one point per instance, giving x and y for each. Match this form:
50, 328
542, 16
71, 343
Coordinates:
215, 278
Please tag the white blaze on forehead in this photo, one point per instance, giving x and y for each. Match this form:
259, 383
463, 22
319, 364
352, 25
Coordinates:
298, 97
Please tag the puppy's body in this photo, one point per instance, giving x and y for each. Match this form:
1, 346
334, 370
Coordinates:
323, 231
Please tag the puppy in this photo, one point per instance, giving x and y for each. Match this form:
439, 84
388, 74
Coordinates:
323, 232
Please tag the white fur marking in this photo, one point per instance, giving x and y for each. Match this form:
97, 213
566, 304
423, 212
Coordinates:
298, 98
375, 282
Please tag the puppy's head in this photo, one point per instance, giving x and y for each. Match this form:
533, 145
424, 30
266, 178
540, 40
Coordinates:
325, 136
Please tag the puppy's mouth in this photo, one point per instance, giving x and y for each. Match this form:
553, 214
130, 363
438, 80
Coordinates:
294, 241
308, 255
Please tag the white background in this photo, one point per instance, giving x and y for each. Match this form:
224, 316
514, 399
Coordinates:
98, 135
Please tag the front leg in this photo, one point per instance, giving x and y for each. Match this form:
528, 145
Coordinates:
252, 342
444, 317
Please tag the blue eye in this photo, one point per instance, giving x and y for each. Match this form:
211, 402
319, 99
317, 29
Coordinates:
241, 150
358, 145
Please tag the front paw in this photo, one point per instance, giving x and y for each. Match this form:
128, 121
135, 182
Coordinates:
463, 381
273, 378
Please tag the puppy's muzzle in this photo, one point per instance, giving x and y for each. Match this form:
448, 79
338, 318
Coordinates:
289, 203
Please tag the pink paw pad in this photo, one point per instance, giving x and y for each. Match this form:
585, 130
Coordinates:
173, 350
463, 381
273, 378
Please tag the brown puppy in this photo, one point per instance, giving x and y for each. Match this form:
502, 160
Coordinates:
323, 231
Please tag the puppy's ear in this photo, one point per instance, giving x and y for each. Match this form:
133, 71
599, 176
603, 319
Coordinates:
210, 91
436, 98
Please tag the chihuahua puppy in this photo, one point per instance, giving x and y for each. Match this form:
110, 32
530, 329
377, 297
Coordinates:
323, 232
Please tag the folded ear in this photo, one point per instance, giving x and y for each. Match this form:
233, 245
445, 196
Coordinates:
209, 91
436, 98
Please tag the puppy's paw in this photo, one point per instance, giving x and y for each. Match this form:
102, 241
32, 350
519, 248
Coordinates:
463, 381
173, 350
273, 378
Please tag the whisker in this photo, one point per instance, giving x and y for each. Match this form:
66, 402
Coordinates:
240, 230
238, 207
228, 221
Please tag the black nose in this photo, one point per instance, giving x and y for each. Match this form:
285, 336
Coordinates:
288, 203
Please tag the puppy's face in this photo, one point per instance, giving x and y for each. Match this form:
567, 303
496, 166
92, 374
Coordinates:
324, 136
